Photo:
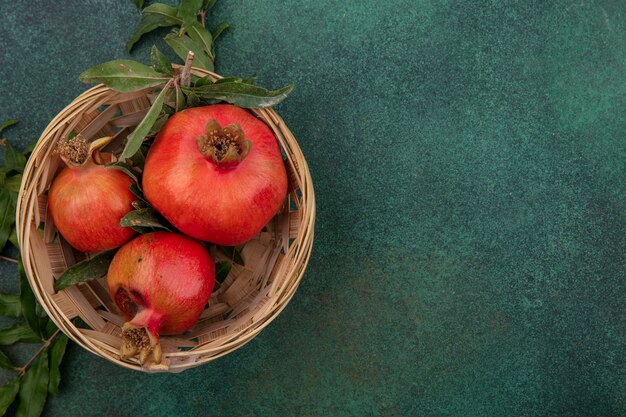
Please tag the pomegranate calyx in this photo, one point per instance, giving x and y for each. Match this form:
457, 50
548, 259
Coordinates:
226, 146
80, 152
138, 341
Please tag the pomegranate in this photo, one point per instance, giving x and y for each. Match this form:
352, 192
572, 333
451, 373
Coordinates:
87, 200
161, 282
216, 173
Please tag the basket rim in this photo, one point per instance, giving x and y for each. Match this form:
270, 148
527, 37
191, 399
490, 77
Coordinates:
26, 215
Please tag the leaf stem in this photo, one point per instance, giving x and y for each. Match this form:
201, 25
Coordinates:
44, 346
202, 14
6, 258
185, 75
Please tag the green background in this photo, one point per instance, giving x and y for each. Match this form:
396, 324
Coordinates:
468, 161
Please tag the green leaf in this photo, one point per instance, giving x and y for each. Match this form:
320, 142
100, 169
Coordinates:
222, 268
242, 94
7, 216
160, 62
125, 168
203, 37
18, 333
8, 392
5, 362
158, 125
34, 388
183, 44
124, 75
134, 188
56, 356
10, 305
163, 10
219, 29
233, 254
148, 23
145, 217
188, 11
208, 4
138, 4
13, 183
87, 270
30, 147
51, 329
136, 138
27, 300
203, 81
8, 123
13, 238
13, 159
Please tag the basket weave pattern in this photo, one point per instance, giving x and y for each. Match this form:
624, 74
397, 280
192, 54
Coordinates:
247, 301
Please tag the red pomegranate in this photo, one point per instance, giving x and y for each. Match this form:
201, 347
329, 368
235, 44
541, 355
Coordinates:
87, 200
161, 282
216, 173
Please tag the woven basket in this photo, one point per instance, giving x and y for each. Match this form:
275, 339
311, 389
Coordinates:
247, 301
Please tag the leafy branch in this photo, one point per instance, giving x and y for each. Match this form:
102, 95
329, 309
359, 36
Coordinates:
40, 375
177, 88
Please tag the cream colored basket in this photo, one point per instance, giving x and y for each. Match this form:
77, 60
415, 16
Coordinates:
247, 301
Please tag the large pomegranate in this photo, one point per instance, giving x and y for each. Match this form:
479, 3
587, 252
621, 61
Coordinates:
87, 200
216, 173
160, 282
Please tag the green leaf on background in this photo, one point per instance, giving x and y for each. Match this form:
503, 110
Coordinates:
125, 168
219, 29
34, 388
8, 123
27, 300
7, 215
30, 147
208, 4
222, 268
13, 183
203, 37
242, 94
162, 10
10, 305
145, 217
87, 270
5, 362
18, 333
137, 136
13, 159
148, 23
124, 75
233, 254
139, 4
160, 62
8, 392
183, 44
13, 238
51, 329
188, 11
56, 356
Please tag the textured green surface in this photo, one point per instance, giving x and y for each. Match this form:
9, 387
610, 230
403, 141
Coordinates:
468, 159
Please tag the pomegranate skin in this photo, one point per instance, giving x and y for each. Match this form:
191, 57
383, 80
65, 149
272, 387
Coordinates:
87, 203
161, 281
223, 205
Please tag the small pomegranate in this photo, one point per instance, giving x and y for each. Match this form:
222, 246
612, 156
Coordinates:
87, 200
161, 282
216, 173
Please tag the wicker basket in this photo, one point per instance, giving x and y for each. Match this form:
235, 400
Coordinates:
247, 301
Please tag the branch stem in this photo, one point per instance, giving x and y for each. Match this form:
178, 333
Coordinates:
185, 75
6, 258
44, 346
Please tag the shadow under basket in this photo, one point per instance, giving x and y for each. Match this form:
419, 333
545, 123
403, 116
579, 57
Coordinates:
249, 298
